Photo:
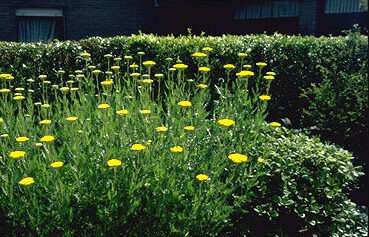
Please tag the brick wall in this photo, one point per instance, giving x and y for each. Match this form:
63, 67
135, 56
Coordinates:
85, 18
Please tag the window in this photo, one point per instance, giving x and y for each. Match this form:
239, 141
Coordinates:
343, 6
39, 24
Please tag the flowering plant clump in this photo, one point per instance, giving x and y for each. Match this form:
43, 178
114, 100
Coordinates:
197, 154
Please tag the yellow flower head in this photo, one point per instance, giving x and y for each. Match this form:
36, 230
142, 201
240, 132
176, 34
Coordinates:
159, 75
147, 81
19, 89
245, 74
64, 88
204, 69
103, 106
271, 73
180, 66
275, 124
261, 64
185, 103
202, 177
161, 129
4, 90
71, 118
26, 181
45, 121
47, 138
46, 106
19, 97
38, 144
237, 158
145, 111
242, 55
114, 162
226, 122
229, 66
189, 128
261, 160
85, 55
176, 149
42, 77
199, 55
17, 154
6, 76
128, 57
149, 63
202, 86
115, 67
133, 65
122, 112
57, 164
117, 59
264, 97
1, 120
91, 67
268, 77
135, 74
138, 147
108, 55
107, 82
22, 139
207, 49
96, 72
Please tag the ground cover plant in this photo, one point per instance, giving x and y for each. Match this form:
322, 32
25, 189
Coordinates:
121, 150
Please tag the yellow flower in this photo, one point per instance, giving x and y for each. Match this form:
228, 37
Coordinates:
159, 75
149, 63
45, 105
117, 59
115, 67
64, 88
133, 65
229, 66
96, 72
71, 118
45, 121
204, 69
4, 90
202, 177
145, 111
247, 66
147, 81
185, 103
161, 129
85, 55
264, 97
245, 74
108, 55
275, 124
269, 77
141, 53
122, 112
6, 76
26, 181
47, 138
22, 139
261, 64
207, 49
38, 144
135, 74
114, 162
1, 120
19, 97
226, 122
202, 86
189, 128
176, 149
74, 89
103, 106
180, 66
237, 158
107, 82
138, 147
242, 55
42, 77
128, 57
261, 160
271, 73
199, 55
19, 89
17, 154
57, 164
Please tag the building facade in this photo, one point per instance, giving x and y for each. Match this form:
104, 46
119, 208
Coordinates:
34, 20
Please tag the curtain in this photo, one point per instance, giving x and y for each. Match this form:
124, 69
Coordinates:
269, 9
343, 6
36, 30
